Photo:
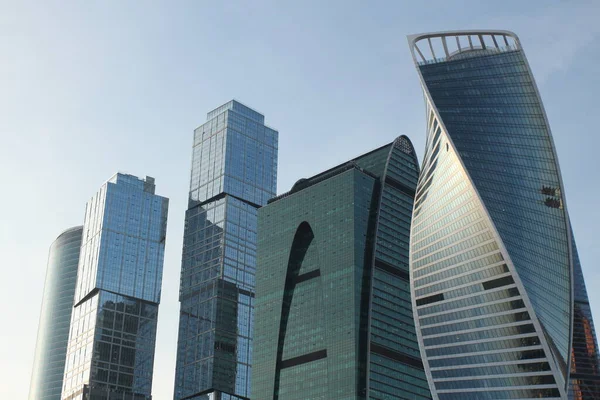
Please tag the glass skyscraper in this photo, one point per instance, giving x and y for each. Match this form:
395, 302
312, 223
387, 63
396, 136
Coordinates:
110, 355
333, 309
234, 171
499, 298
55, 316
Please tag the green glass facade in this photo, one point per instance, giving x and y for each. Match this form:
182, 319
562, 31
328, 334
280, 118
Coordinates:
333, 309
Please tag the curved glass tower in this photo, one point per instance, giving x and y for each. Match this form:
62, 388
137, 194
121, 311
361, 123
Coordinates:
333, 310
57, 305
492, 256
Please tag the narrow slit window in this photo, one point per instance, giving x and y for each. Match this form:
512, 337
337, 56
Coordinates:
431, 299
504, 281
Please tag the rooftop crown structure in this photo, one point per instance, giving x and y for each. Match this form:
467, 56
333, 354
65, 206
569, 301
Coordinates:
110, 353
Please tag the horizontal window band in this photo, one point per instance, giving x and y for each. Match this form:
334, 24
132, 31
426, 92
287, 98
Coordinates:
431, 299
221, 196
95, 291
209, 287
484, 317
210, 391
502, 389
491, 364
387, 267
454, 288
481, 329
399, 185
466, 226
492, 376
472, 306
469, 296
306, 358
309, 275
408, 386
496, 283
246, 292
460, 264
396, 356
457, 253
482, 341
586, 377
485, 352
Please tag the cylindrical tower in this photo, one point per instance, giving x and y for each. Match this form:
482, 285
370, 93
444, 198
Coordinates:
55, 316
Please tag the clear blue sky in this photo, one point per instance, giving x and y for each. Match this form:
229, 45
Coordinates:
91, 87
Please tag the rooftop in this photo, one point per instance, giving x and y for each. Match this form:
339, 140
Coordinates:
238, 107
435, 47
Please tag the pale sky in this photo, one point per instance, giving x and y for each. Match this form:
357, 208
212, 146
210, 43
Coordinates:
89, 88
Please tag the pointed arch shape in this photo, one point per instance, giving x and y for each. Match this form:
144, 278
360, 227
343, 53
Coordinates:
303, 239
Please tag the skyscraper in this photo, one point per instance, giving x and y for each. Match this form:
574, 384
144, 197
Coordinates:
234, 171
57, 305
333, 309
494, 269
110, 355
585, 363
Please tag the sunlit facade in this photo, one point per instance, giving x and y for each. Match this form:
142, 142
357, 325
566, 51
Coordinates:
493, 262
110, 355
55, 316
333, 308
234, 172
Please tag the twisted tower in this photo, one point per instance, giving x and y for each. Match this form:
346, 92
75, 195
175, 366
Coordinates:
492, 255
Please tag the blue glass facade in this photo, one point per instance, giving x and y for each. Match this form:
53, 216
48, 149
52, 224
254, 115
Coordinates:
333, 315
110, 354
234, 171
55, 316
492, 256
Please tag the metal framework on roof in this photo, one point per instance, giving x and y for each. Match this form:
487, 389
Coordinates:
452, 43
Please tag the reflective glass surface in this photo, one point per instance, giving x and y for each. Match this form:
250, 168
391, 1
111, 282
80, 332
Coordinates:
124, 240
57, 305
493, 153
334, 316
110, 354
395, 368
585, 364
234, 154
234, 165
495, 118
310, 286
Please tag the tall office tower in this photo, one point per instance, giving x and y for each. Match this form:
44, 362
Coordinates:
585, 363
57, 305
110, 355
333, 310
234, 169
493, 262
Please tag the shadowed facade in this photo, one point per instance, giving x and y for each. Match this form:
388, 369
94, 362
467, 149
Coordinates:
333, 311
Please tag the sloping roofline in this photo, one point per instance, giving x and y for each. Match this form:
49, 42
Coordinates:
412, 39
477, 33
